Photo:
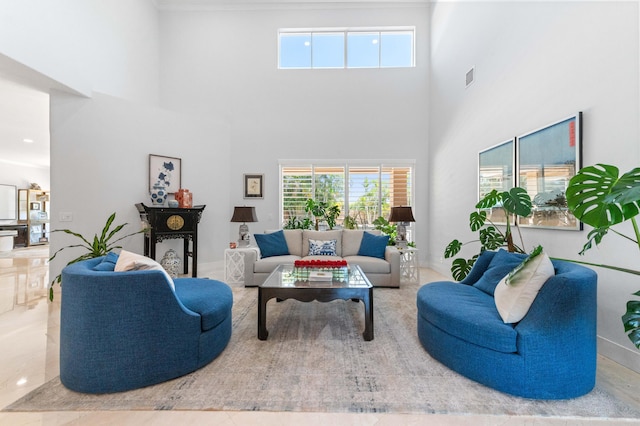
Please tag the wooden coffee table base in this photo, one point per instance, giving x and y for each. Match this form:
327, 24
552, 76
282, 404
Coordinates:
321, 294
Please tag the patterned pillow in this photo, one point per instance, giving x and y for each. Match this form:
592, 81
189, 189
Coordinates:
322, 248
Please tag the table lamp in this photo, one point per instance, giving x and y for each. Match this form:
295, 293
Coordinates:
402, 215
244, 215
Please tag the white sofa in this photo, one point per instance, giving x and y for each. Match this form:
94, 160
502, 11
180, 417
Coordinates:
381, 272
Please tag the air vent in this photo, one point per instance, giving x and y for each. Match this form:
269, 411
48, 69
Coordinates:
470, 77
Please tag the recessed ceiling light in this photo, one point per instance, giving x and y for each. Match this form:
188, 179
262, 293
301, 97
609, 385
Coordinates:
27, 140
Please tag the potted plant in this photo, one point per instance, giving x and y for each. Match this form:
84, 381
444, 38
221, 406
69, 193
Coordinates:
383, 225
515, 202
600, 197
98, 247
321, 210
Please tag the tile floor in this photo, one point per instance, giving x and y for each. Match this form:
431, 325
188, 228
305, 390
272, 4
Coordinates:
29, 330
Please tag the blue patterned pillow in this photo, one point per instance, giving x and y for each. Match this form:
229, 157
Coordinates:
322, 248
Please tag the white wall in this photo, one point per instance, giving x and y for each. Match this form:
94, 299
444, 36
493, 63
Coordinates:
224, 63
536, 63
100, 149
107, 46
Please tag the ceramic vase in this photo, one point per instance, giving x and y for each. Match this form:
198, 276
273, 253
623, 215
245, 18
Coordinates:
171, 263
158, 195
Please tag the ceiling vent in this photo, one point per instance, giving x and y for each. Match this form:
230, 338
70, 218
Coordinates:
470, 77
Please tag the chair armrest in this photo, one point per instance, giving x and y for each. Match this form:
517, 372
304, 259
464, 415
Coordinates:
392, 255
250, 258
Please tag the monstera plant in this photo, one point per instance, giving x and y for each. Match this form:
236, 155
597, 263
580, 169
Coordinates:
600, 197
515, 202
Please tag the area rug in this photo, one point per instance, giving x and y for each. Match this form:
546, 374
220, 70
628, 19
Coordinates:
315, 360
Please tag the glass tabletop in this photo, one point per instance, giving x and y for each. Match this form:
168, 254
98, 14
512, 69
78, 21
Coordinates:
291, 277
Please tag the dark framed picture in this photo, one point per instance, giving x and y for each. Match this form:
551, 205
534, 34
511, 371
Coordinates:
165, 171
496, 167
253, 186
547, 159
34, 206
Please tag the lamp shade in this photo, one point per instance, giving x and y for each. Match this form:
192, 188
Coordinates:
401, 214
244, 214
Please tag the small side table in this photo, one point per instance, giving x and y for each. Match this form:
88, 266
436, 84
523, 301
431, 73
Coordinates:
234, 264
409, 267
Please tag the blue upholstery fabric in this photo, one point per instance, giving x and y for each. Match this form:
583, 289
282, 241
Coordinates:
126, 330
108, 262
209, 298
480, 324
373, 245
272, 244
555, 353
502, 263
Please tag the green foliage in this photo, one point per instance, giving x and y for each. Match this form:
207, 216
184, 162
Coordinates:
295, 223
383, 225
600, 197
322, 210
350, 223
514, 202
99, 246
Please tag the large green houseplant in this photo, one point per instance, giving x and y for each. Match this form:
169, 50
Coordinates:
321, 210
515, 202
97, 247
600, 197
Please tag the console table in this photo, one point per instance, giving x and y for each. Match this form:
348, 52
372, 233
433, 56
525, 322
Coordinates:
166, 223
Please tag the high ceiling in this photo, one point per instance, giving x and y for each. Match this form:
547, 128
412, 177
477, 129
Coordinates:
24, 115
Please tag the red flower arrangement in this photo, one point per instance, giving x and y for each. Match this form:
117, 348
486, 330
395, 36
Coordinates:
320, 263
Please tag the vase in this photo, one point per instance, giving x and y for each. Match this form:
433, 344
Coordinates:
158, 195
171, 263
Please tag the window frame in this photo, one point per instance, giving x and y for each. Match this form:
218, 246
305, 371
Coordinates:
382, 167
346, 31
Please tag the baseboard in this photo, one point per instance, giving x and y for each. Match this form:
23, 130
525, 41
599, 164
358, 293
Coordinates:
629, 358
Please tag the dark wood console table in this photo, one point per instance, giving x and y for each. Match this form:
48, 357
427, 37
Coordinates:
167, 223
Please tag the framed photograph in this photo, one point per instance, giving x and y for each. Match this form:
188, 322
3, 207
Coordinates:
547, 159
496, 167
166, 171
34, 206
253, 186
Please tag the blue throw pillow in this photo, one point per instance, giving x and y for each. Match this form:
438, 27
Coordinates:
373, 245
108, 263
502, 263
273, 244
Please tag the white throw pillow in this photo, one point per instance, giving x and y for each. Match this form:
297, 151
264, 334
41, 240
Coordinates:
128, 261
513, 300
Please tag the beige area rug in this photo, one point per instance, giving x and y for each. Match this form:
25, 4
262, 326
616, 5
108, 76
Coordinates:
316, 360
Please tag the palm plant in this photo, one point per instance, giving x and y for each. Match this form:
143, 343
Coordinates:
100, 246
600, 197
515, 202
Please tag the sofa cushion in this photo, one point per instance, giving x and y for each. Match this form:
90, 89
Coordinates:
128, 261
211, 299
308, 234
322, 248
108, 263
466, 313
268, 264
515, 294
273, 244
370, 265
351, 239
373, 245
501, 264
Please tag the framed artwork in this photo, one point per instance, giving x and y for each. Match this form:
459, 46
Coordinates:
496, 167
547, 159
253, 186
165, 171
34, 206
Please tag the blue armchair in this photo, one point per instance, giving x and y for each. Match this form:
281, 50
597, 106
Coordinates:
549, 354
126, 330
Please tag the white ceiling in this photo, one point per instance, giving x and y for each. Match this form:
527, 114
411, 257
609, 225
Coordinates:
24, 114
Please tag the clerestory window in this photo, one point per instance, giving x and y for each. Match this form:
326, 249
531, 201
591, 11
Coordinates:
346, 48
